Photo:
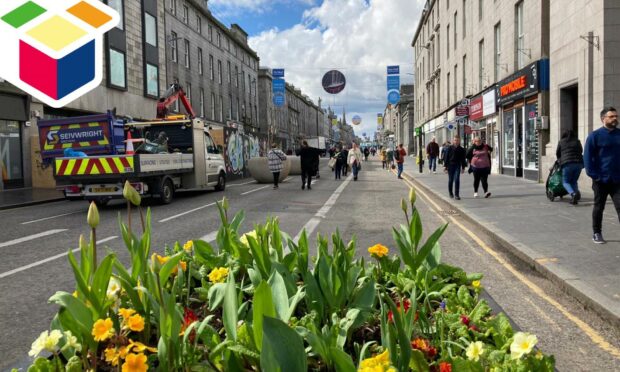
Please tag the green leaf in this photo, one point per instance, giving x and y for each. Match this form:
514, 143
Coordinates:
261, 306
481, 310
462, 365
230, 308
342, 360
422, 255
82, 283
168, 267
237, 220
293, 302
364, 297
277, 355
280, 295
216, 295
203, 251
502, 330
418, 362
403, 247
101, 279
75, 307
162, 354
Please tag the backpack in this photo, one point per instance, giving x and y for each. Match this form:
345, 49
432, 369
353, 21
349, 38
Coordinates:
396, 154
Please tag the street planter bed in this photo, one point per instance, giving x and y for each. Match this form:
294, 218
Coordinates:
259, 302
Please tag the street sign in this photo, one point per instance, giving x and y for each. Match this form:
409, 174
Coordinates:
393, 97
393, 70
334, 82
393, 82
277, 72
279, 85
279, 99
279, 92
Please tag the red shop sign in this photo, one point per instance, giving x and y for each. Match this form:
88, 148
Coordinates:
475, 109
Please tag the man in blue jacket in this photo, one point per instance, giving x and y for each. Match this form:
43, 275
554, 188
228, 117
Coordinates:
602, 162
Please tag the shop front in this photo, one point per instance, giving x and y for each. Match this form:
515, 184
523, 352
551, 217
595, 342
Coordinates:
483, 122
13, 115
518, 99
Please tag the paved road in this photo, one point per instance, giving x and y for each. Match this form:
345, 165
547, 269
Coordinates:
366, 208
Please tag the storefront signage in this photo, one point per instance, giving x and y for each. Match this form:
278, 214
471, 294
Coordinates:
521, 84
488, 103
476, 109
462, 111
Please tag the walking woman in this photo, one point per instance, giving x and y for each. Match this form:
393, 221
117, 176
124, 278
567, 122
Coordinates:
479, 158
275, 157
339, 163
570, 156
355, 160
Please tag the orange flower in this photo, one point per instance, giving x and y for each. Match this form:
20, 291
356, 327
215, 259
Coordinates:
103, 329
378, 250
135, 323
163, 259
135, 363
126, 313
445, 367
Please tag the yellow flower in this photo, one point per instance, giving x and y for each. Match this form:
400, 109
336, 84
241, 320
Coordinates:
475, 350
103, 329
135, 363
126, 313
112, 356
139, 347
114, 288
476, 283
378, 250
75, 294
244, 237
188, 246
522, 344
378, 363
163, 259
135, 323
218, 275
46, 341
383, 358
539, 355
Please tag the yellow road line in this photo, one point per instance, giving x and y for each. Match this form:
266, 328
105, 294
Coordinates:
589, 331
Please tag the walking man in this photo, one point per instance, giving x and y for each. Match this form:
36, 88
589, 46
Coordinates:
602, 161
275, 157
400, 154
345, 156
432, 153
454, 164
309, 158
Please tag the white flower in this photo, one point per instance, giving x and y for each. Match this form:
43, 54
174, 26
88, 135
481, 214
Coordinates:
71, 342
522, 344
45, 341
475, 350
114, 287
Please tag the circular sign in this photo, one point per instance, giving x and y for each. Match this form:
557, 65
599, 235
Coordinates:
357, 120
450, 126
334, 82
393, 96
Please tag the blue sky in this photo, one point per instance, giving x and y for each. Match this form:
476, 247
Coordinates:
310, 37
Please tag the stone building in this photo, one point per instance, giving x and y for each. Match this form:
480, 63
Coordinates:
494, 54
213, 63
405, 124
134, 75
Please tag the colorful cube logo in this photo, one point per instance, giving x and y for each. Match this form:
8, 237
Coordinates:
53, 48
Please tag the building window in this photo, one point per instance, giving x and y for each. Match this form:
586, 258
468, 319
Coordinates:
188, 91
221, 109
174, 46
120, 9
456, 69
464, 18
200, 67
150, 29
455, 27
464, 76
229, 72
173, 6
198, 24
498, 50
228, 44
185, 14
480, 64
448, 41
448, 88
230, 106
237, 76
210, 33
117, 69
211, 67
480, 9
219, 39
186, 53
152, 80
519, 36
447, 4
212, 117
219, 71
202, 103
237, 109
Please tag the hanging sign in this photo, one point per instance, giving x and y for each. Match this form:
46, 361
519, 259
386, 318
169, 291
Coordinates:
334, 82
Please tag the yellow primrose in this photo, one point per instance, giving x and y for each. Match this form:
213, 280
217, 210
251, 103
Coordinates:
218, 275
112, 356
103, 329
188, 246
47, 341
126, 313
522, 344
476, 283
135, 363
475, 350
135, 323
163, 259
378, 250
139, 347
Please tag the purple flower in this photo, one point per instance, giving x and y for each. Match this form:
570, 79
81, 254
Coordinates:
442, 305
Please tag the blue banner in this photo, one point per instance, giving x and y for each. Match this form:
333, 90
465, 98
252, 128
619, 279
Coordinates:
393, 82
393, 70
393, 97
277, 72
279, 92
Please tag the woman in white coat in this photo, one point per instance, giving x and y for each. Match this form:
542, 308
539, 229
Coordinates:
355, 160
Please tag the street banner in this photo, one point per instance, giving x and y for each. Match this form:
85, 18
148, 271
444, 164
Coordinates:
277, 73
279, 92
334, 82
379, 119
393, 82
334, 121
393, 70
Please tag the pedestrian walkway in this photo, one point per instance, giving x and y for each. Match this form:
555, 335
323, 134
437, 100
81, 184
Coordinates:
554, 237
28, 196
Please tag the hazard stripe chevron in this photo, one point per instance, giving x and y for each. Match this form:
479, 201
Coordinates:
94, 166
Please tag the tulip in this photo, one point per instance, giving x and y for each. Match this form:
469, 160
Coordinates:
403, 205
130, 193
412, 196
93, 215
225, 204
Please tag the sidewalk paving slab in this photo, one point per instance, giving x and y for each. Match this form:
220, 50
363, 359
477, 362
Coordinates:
555, 238
28, 196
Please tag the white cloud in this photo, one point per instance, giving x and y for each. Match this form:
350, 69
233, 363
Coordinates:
233, 7
358, 37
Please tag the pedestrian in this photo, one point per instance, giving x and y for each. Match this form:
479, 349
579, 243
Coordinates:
442, 150
339, 163
432, 153
366, 153
275, 157
454, 163
355, 160
390, 158
399, 155
383, 157
602, 162
373, 151
569, 153
345, 157
309, 159
479, 158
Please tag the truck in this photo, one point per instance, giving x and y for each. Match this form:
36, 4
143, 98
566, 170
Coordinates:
317, 142
93, 156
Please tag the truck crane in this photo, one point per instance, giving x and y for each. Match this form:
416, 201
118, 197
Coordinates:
174, 93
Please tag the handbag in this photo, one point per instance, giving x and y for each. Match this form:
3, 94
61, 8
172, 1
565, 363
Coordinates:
332, 163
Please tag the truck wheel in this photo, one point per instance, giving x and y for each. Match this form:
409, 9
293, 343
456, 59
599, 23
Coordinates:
221, 182
166, 191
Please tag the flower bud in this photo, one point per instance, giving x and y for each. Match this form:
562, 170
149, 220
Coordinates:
130, 193
93, 215
225, 204
403, 205
83, 242
412, 196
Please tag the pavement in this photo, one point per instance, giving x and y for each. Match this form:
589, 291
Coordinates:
554, 238
28, 196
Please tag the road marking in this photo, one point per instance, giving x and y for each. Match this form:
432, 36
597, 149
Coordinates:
38, 263
312, 224
31, 237
49, 218
258, 189
187, 212
240, 184
589, 331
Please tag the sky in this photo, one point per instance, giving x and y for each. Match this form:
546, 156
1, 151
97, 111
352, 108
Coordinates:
310, 37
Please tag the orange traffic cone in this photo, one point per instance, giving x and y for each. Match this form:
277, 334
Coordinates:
129, 145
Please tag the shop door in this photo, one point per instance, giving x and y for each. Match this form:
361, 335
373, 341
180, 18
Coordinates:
519, 140
11, 154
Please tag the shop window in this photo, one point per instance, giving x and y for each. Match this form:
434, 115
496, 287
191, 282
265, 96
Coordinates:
11, 154
509, 139
530, 138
